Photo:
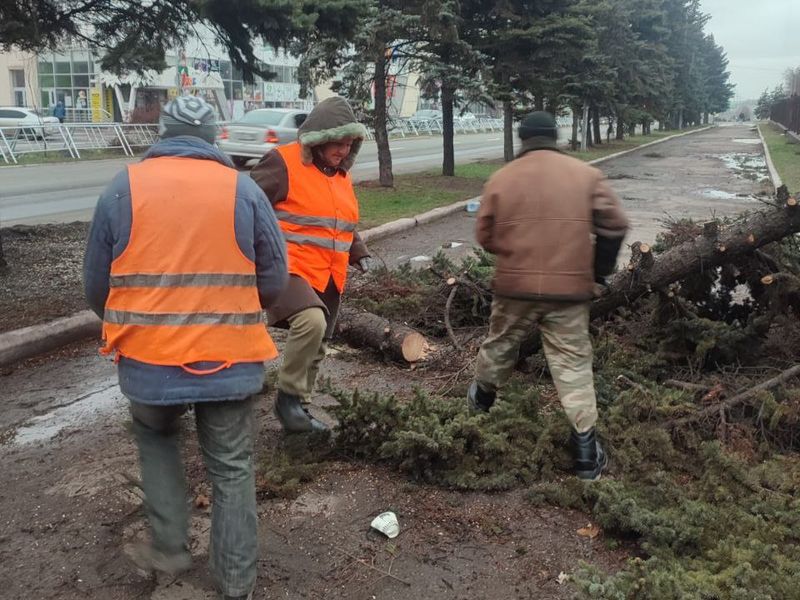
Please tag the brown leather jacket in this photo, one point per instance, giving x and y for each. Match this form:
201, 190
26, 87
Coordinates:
554, 225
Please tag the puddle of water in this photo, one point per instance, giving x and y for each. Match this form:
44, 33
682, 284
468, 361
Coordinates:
80, 413
745, 165
747, 140
718, 194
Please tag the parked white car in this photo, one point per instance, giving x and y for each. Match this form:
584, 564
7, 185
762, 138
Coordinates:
258, 132
26, 122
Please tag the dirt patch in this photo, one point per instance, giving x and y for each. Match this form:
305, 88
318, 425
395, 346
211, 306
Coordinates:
71, 503
44, 279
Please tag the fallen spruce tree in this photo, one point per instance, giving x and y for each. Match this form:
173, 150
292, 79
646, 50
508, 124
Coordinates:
702, 251
697, 347
716, 245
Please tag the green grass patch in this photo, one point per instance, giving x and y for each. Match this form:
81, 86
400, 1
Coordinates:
414, 194
785, 156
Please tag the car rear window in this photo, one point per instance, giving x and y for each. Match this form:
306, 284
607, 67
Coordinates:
262, 117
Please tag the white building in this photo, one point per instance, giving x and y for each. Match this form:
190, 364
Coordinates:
74, 76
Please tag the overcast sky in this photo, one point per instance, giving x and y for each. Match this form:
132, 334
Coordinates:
761, 37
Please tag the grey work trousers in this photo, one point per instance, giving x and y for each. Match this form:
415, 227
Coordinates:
225, 431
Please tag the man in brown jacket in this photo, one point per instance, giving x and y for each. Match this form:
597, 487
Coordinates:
539, 215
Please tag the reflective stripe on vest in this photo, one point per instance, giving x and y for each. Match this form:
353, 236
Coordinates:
331, 223
122, 317
318, 219
182, 280
182, 291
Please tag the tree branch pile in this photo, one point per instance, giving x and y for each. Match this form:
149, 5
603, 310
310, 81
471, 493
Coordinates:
706, 301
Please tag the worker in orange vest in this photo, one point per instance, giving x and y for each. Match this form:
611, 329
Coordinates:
310, 188
182, 255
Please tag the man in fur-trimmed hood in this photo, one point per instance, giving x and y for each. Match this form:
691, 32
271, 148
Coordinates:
309, 186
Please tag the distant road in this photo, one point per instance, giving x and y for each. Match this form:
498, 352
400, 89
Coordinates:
63, 192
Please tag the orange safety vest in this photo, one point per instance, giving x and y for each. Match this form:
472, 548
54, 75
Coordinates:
182, 291
318, 218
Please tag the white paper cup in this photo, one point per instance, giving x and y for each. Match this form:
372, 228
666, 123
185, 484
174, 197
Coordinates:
387, 524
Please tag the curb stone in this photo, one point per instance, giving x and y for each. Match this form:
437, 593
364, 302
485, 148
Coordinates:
773, 172
19, 344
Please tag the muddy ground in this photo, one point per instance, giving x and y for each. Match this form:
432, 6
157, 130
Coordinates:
67, 462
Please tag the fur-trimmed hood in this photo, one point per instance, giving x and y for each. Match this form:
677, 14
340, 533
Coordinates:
332, 119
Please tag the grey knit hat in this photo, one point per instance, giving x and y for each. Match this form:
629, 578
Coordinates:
188, 115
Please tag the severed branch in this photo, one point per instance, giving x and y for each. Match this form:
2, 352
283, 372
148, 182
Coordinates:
721, 407
624, 381
447, 306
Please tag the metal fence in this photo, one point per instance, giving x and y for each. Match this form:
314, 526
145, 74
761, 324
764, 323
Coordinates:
787, 113
417, 127
73, 138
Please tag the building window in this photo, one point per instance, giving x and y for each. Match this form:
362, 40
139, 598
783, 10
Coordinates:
18, 87
17, 78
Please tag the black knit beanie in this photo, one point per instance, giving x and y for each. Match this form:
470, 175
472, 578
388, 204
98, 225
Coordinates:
538, 124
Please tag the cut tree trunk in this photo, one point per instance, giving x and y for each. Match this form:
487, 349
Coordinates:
714, 247
394, 340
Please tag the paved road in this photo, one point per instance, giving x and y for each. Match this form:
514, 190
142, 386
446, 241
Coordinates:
68, 191
716, 173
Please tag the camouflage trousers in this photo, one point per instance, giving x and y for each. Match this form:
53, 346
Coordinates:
567, 347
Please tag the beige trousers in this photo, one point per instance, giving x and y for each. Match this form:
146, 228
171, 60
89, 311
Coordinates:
304, 350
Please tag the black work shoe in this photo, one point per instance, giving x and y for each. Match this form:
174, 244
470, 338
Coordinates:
479, 399
590, 458
294, 417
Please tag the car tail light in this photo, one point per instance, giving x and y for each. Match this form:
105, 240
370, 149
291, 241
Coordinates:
224, 134
271, 137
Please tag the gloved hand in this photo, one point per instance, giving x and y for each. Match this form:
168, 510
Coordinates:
366, 264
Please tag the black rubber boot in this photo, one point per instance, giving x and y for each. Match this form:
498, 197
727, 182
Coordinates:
590, 458
479, 399
294, 417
